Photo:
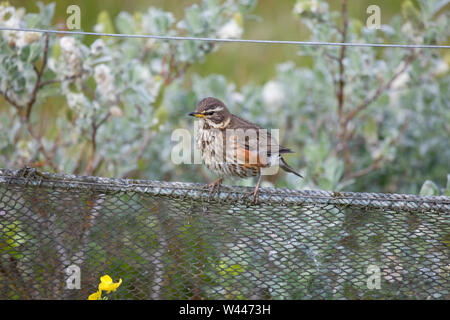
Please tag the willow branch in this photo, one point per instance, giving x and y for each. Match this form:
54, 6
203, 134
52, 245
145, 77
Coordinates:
37, 84
376, 164
381, 89
340, 92
11, 101
92, 162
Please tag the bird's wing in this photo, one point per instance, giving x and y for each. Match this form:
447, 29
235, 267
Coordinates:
250, 144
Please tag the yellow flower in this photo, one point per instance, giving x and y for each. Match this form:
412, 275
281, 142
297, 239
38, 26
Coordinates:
96, 296
107, 284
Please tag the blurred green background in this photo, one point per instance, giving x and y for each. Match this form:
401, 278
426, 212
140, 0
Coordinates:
241, 64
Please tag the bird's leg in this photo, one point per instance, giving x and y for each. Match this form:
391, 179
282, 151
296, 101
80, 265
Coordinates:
214, 186
255, 192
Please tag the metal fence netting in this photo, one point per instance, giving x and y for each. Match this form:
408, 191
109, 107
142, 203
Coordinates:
169, 241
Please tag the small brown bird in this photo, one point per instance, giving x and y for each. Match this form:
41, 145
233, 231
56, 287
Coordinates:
232, 146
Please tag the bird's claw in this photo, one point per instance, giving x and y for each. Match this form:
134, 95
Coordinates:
253, 194
214, 187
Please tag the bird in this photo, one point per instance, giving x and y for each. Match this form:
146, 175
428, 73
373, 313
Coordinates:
231, 146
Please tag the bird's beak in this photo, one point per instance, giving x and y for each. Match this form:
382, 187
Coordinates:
196, 114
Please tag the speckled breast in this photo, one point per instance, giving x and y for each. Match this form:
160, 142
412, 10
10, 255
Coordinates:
210, 142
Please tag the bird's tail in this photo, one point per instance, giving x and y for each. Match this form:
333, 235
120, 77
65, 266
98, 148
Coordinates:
287, 168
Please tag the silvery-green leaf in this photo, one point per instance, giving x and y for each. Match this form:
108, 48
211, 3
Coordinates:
125, 23
429, 188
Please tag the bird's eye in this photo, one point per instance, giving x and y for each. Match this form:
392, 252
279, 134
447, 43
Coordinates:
210, 113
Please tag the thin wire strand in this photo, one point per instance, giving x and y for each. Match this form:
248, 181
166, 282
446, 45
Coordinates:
306, 43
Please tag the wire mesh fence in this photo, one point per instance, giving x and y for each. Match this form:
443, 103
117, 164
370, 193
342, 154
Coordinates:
170, 241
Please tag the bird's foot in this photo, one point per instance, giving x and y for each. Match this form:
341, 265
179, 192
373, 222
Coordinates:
253, 194
214, 187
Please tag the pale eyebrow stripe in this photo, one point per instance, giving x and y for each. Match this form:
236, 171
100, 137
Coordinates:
213, 110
